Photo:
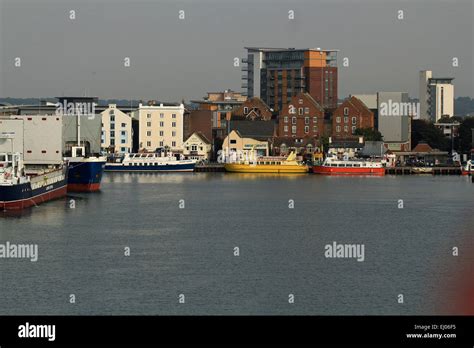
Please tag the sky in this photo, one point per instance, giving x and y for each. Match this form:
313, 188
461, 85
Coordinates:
173, 58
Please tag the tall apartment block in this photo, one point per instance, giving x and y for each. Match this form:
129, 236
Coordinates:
275, 75
436, 96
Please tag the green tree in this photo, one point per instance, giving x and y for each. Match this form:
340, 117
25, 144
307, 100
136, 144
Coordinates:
465, 134
369, 134
425, 131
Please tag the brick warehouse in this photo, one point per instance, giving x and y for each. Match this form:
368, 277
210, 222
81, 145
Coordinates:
302, 117
349, 116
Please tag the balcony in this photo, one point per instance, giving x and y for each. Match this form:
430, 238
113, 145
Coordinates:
245, 85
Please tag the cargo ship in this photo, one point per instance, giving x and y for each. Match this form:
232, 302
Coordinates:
335, 166
85, 172
150, 162
21, 189
269, 164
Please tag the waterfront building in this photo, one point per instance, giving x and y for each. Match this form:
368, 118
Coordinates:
305, 147
197, 147
198, 121
253, 109
436, 96
235, 142
221, 104
278, 74
160, 126
349, 116
301, 117
345, 147
37, 138
116, 131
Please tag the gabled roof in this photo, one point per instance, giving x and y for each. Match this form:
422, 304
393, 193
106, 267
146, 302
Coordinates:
358, 104
253, 129
422, 147
201, 136
311, 99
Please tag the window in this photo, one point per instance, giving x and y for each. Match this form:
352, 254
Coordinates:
306, 120
315, 120
353, 129
148, 124
148, 115
173, 124
233, 141
354, 120
123, 133
315, 129
346, 119
112, 126
173, 133
162, 115
148, 134
194, 147
285, 119
123, 141
124, 125
300, 101
173, 116
338, 119
162, 133
346, 129
285, 129
161, 143
306, 129
293, 129
162, 124
306, 111
246, 110
148, 143
111, 112
293, 120
300, 111
123, 149
112, 142
112, 118
338, 129
112, 134
346, 111
173, 143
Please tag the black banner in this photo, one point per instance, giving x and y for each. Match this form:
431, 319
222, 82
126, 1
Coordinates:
137, 330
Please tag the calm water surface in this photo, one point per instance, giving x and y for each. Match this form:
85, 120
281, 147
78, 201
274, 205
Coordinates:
190, 251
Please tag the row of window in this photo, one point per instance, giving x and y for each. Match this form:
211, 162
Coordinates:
346, 119
161, 115
162, 133
292, 110
162, 124
112, 125
306, 120
173, 143
306, 129
346, 129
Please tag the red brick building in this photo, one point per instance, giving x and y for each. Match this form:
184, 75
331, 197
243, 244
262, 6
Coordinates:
253, 109
302, 117
349, 116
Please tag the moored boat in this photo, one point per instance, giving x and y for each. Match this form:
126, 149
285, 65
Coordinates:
150, 162
21, 188
269, 164
335, 166
85, 172
468, 169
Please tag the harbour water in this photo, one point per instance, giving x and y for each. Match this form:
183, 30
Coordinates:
182, 230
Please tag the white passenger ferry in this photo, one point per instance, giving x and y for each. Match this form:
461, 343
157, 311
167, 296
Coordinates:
150, 162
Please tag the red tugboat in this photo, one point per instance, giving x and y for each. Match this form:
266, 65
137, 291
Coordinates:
335, 166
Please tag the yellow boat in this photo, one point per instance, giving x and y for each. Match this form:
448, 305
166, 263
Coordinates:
288, 165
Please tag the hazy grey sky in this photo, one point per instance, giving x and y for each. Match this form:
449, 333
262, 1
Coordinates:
173, 59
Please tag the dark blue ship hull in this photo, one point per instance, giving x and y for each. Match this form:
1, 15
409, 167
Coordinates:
85, 176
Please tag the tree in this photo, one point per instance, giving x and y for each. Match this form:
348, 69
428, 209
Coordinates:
369, 134
424, 131
465, 134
